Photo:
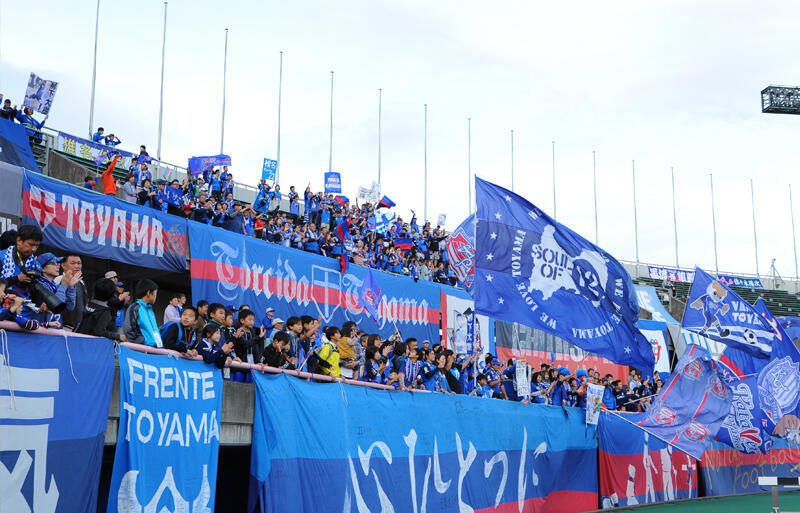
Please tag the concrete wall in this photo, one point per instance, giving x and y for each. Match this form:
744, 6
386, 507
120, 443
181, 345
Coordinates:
238, 404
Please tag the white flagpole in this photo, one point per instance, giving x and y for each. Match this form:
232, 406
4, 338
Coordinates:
674, 217
512, 160
425, 209
714, 223
554, 179
330, 147
161, 98
794, 238
635, 217
224, 88
280, 96
755, 236
594, 176
94, 70
469, 166
380, 113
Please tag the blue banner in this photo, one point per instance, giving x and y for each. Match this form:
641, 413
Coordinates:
532, 270
170, 411
333, 182
670, 273
727, 471
234, 270
14, 146
53, 416
636, 468
75, 219
740, 281
649, 300
269, 170
199, 164
716, 312
345, 448
690, 408
89, 150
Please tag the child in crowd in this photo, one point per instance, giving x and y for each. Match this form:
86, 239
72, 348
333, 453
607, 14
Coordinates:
210, 348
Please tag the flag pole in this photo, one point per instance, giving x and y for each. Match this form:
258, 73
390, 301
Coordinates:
280, 95
714, 223
554, 179
161, 97
469, 166
594, 176
755, 236
94, 70
794, 238
224, 88
330, 143
380, 113
512, 160
635, 217
425, 209
674, 216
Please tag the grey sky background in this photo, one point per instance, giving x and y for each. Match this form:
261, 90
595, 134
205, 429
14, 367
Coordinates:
662, 83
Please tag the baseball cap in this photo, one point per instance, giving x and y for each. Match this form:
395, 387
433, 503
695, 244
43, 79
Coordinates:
277, 320
270, 309
495, 361
111, 275
47, 258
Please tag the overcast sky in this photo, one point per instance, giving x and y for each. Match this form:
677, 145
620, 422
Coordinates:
665, 84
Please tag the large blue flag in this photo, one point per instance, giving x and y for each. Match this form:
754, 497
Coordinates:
532, 270
715, 311
692, 405
198, 165
370, 295
791, 325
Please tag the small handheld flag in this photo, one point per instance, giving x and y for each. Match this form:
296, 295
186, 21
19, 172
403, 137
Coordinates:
386, 202
370, 296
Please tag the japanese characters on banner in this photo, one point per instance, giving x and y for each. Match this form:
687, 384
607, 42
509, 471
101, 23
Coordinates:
727, 471
594, 400
168, 441
269, 170
333, 182
75, 219
677, 275
234, 270
53, 417
459, 459
89, 150
740, 281
40, 94
637, 468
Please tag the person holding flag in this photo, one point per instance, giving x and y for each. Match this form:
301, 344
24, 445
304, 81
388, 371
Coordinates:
369, 298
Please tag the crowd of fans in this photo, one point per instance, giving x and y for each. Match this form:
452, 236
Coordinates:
221, 336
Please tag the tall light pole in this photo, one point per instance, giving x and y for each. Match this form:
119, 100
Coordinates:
330, 142
635, 217
425, 209
674, 217
161, 99
794, 237
469, 166
594, 180
512, 160
94, 70
554, 179
714, 223
755, 236
380, 106
224, 90
280, 95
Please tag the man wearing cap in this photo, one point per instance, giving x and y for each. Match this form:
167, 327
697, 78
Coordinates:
494, 379
267, 321
8, 112
277, 327
50, 270
121, 299
559, 387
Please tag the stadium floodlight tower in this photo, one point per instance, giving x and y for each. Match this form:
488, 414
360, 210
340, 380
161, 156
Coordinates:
780, 100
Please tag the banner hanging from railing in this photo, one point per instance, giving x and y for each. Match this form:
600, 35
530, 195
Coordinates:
636, 468
677, 275
54, 398
89, 150
458, 459
727, 471
232, 269
168, 441
88, 223
740, 281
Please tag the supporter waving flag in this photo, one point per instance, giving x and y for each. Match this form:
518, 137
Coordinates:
715, 311
370, 296
341, 200
461, 252
532, 270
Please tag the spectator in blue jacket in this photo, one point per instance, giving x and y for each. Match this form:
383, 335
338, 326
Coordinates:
140, 324
98, 136
25, 117
112, 140
210, 348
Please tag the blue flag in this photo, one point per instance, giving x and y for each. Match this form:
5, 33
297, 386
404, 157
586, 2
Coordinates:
370, 296
14, 146
691, 407
532, 270
269, 170
791, 325
385, 202
198, 165
461, 252
380, 223
333, 182
716, 312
